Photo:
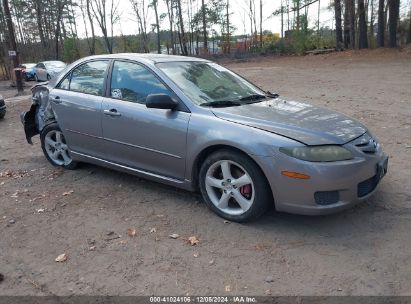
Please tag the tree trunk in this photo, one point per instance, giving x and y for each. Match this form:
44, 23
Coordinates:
181, 21
409, 31
363, 42
40, 27
228, 28
282, 19
261, 24
93, 36
13, 44
381, 23
352, 23
394, 11
157, 27
338, 27
170, 18
203, 12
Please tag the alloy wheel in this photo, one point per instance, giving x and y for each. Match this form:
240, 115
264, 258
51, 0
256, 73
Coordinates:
56, 148
229, 187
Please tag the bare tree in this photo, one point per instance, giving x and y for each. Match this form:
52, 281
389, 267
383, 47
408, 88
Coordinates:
93, 35
13, 44
99, 9
139, 8
182, 34
170, 14
157, 25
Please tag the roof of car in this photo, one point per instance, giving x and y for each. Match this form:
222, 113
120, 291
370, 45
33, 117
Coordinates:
152, 57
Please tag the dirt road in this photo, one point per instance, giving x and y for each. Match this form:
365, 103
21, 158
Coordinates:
45, 212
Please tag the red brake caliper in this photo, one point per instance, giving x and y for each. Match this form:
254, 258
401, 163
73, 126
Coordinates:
246, 191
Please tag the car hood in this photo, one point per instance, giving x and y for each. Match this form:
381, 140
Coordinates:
303, 122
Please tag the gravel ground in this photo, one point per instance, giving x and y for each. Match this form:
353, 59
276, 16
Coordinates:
45, 212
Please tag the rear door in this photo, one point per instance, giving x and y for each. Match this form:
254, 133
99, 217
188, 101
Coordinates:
77, 103
153, 140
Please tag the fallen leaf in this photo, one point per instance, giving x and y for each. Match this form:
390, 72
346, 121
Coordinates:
153, 230
196, 254
228, 288
227, 222
268, 292
41, 210
68, 192
174, 236
15, 195
92, 248
131, 232
61, 258
211, 262
193, 240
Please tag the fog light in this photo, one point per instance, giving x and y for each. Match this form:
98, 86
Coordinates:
326, 197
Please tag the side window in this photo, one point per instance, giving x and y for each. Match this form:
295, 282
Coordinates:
88, 78
133, 82
65, 84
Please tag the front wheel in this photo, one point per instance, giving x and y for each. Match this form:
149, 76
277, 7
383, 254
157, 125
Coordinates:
234, 187
55, 147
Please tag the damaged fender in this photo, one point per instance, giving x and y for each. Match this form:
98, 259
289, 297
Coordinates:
40, 113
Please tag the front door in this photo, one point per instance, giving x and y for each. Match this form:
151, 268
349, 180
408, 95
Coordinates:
77, 103
152, 140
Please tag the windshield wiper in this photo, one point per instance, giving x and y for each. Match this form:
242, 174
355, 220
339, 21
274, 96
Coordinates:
221, 103
253, 97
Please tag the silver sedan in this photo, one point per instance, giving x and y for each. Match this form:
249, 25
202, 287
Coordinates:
196, 125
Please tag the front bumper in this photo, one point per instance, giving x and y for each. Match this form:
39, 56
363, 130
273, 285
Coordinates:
343, 183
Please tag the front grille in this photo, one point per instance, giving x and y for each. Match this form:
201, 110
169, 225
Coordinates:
326, 197
367, 186
366, 144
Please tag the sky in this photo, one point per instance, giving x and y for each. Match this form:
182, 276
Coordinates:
239, 16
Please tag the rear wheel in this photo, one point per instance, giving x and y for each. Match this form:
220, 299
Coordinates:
55, 147
234, 187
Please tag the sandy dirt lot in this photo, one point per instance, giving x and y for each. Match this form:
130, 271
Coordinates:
45, 212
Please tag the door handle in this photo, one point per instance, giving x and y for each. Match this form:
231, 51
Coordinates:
112, 112
56, 99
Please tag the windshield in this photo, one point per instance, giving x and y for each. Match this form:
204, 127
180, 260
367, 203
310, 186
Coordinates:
29, 65
209, 83
55, 65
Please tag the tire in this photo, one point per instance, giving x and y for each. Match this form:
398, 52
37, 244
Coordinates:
55, 147
2, 114
222, 189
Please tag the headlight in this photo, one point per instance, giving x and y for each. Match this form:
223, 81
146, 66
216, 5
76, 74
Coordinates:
319, 153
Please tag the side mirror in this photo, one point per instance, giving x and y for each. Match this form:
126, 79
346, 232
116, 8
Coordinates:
161, 101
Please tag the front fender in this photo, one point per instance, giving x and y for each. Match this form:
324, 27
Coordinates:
40, 113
